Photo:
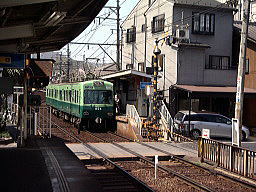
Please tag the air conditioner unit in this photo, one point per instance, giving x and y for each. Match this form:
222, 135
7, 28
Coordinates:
182, 33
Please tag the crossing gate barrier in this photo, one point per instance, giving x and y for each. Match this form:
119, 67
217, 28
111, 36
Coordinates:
235, 159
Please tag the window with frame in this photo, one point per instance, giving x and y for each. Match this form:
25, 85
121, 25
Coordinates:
247, 66
158, 23
143, 28
131, 35
60, 94
203, 23
219, 62
141, 67
129, 66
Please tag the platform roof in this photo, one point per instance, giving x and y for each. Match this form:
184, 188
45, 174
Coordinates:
44, 25
126, 73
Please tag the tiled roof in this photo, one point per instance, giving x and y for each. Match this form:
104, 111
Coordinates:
207, 3
251, 30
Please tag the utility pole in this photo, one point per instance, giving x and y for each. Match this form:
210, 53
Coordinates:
60, 65
68, 61
118, 35
241, 72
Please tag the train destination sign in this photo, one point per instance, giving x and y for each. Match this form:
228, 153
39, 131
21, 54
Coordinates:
12, 60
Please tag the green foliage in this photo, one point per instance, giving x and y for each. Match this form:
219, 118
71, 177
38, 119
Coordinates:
5, 134
16, 74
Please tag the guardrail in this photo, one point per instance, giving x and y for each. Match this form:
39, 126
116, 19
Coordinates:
170, 127
235, 159
132, 112
165, 114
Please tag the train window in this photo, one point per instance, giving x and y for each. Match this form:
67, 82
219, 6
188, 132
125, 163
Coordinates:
98, 97
75, 97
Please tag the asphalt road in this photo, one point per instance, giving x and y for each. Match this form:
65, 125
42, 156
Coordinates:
249, 144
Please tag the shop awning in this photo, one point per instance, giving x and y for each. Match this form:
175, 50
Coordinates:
202, 91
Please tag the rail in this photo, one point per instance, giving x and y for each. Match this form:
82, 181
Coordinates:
232, 158
132, 112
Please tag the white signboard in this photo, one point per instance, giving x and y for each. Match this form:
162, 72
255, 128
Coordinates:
235, 132
156, 162
206, 133
156, 159
149, 90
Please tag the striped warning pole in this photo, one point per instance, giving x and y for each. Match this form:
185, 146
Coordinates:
156, 52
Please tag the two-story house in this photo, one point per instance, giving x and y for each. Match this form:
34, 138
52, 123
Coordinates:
198, 52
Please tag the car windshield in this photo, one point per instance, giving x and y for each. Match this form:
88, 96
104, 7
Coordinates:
98, 97
179, 116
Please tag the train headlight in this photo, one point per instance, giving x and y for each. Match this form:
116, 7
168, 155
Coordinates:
110, 114
86, 113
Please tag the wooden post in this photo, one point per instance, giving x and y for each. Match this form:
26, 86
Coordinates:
245, 163
201, 149
231, 160
218, 153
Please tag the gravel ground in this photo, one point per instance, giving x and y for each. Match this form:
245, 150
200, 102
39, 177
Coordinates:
164, 181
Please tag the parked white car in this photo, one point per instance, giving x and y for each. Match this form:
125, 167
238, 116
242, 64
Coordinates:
219, 125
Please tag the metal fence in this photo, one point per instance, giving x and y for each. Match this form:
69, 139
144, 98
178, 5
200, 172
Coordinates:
42, 121
235, 159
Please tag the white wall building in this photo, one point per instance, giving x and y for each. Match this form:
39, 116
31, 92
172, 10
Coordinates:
200, 52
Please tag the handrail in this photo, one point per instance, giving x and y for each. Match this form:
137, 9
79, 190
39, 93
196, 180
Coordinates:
165, 114
132, 112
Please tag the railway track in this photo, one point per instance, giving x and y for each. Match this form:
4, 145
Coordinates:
202, 178
194, 177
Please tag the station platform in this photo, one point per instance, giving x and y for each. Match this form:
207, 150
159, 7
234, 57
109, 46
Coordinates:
44, 165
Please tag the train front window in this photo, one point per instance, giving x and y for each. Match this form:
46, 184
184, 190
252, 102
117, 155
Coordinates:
98, 97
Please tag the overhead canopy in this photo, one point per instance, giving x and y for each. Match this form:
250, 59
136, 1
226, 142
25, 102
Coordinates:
32, 26
202, 91
126, 74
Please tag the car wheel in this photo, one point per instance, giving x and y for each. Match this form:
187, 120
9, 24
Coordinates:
195, 134
243, 136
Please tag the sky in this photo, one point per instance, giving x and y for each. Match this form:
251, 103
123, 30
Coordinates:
100, 31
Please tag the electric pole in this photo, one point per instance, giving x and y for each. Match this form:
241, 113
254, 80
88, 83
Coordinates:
60, 65
68, 53
118, 35
241, 73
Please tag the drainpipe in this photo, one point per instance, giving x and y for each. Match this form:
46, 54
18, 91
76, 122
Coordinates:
121, 58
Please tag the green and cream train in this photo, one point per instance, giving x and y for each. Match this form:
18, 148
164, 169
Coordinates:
83, 103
